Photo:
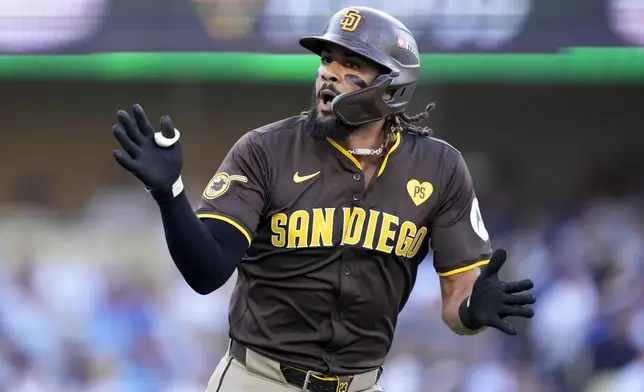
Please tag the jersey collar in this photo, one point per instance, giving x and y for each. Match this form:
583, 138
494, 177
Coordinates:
355, 161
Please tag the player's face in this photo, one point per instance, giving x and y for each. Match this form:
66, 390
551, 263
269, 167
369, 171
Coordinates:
340, 72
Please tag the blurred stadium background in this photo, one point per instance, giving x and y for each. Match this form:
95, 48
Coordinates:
544, 98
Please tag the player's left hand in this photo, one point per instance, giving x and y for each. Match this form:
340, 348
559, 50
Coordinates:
493, 299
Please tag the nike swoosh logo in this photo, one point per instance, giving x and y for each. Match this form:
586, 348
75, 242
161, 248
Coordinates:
297, 178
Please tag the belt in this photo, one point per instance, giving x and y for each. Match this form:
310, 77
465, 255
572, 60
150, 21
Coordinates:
306, 380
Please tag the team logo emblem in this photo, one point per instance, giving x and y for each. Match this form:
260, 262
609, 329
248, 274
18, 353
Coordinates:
220, 184
418, 192
477, 221
351, 20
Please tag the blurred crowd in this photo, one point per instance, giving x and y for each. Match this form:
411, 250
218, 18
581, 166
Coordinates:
93, 303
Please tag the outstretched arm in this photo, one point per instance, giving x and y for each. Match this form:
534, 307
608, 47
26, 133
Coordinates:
205, 252
471, 299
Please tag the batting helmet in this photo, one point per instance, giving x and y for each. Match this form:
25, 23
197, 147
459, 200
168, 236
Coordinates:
383, 39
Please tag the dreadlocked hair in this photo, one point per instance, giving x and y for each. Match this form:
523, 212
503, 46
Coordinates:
405, 123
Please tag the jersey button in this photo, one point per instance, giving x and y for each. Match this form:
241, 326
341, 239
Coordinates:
327, 358
347, 270
356, 197
337, 316
357, 176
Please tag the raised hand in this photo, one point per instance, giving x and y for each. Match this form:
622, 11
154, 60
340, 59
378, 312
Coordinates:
155, 158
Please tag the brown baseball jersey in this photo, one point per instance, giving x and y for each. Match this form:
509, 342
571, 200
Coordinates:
331, 262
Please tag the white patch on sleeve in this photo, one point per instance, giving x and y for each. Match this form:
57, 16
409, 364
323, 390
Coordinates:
477, 221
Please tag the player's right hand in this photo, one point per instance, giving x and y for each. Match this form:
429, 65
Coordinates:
155, 158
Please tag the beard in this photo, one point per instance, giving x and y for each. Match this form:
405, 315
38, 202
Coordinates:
329, 126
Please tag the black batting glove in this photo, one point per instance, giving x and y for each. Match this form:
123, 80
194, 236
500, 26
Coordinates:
155, 158
492, 299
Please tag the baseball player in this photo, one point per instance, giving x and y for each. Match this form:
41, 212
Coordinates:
326, 216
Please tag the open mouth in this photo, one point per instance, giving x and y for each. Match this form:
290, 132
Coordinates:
325, 97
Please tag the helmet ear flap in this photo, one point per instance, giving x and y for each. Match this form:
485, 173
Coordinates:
396, 92
365, 105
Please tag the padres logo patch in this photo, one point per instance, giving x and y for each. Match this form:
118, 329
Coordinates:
220, 184
351, 20
418, 192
